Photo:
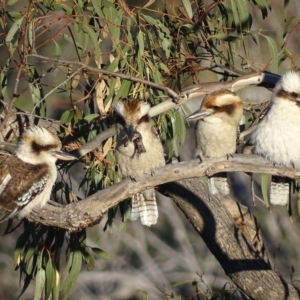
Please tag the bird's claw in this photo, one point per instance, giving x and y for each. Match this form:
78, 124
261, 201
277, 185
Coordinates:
132, 178
202, 157
229, 155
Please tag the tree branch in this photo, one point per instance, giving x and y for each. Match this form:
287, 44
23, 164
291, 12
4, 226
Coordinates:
79, 215
169, 91
240, 261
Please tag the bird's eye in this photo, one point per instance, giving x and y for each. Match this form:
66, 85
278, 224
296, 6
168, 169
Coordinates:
294, 94
47, 147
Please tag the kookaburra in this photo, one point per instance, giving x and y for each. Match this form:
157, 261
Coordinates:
277, 134
216, 131
27, 177
139, 151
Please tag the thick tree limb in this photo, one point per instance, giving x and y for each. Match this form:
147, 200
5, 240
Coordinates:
77, 216
208, 214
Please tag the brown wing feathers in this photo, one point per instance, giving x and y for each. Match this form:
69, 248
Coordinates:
19, 190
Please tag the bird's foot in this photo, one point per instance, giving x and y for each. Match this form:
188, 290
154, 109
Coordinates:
201, 157
132, 178
229, 155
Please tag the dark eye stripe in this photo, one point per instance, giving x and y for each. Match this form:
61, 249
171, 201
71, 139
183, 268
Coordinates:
38, 148
284, 94
120, 120
229, 108
144, 119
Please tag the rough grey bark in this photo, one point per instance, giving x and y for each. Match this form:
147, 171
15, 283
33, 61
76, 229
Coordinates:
247, 268
79, 215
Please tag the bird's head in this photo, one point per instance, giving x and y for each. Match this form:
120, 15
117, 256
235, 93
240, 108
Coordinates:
38, 145
221, 105
288, 89
132, 115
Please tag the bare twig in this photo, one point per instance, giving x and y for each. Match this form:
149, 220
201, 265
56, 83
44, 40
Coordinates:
50, 92
169, 91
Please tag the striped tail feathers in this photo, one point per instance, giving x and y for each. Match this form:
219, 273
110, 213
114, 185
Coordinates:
280, 190
144, 206
218, 185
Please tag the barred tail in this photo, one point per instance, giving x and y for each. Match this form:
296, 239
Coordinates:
218, 185
279, 193
144, 206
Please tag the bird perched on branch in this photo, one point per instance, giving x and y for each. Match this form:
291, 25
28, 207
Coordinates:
27, 177
277, 134
216, 131
139, 151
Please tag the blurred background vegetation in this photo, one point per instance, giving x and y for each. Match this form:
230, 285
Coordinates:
170, 43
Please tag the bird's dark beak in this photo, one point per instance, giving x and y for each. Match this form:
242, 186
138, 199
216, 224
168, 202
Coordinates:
63, 155
131, 133
198, 115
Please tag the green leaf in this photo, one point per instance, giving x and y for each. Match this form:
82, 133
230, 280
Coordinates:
21, 242
265, 182
90, 259
93, 36
67, 117
124, 89
242, 6
57, 51
11, 2
188, 8
287, 26
31, 266
101, 253
96, 8
35, 93
55, 289
25, 285
273, 53
141, 45
14, 28
29, 252
30, 34
74, 270
39, 284
182, 129
150, 20
50, 278
180, 283
91, 117
263, 7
